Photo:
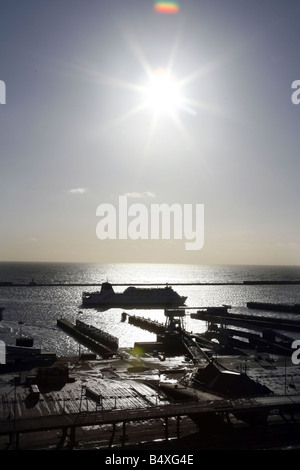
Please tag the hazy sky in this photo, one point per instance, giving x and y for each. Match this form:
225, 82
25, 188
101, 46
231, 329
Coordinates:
73, 134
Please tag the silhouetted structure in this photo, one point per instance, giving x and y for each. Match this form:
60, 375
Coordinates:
221, 381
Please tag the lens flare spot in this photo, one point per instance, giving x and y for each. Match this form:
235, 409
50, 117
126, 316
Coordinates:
166, 7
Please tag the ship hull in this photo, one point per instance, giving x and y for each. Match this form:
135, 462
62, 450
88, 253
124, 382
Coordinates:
125, 302
133, 297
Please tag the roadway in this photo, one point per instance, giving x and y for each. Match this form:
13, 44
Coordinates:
290, 404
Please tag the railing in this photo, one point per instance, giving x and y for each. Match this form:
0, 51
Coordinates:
119, 415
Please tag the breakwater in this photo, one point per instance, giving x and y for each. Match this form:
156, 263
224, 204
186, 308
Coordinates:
94, 284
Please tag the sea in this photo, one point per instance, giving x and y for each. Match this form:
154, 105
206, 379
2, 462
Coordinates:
34, 310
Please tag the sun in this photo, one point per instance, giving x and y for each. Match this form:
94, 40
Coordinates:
162, 93
162, 96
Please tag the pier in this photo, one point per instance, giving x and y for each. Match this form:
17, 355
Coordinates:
97, 341
147, 324
241, 330
246, 320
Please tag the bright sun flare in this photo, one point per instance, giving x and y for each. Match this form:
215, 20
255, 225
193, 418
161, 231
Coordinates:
162, 93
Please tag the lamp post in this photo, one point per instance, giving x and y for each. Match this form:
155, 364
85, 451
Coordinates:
20, 344
284, 375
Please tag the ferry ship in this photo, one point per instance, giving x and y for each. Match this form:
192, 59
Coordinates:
133, 297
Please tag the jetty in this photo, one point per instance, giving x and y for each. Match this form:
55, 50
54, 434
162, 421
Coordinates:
95, 339
241, 330
222, 325
147, 324
243, 319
